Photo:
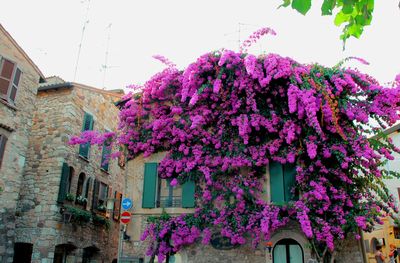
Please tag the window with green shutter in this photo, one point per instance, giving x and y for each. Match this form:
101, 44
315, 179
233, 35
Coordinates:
105, 155
188, 191
87, 126
158, 192
62, 192
282, 181
149, 185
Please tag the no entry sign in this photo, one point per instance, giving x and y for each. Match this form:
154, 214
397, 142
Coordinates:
125, 217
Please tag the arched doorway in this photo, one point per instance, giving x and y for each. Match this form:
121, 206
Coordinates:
64, 253
288, 251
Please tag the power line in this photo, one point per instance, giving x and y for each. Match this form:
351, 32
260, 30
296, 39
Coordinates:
86, 21
105, 66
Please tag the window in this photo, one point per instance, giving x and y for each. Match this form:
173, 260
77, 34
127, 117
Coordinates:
103, 194
69, 181
105, 155
288, 251
167, 195
122, 157
3, 141
158, 192
282, 182
79, 189
10, 76
64, 182
87, 126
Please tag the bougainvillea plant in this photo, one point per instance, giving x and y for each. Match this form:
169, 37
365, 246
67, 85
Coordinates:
229, 114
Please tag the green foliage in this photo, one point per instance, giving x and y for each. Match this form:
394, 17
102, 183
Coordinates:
79, 215
354, 14
70, 197
99, 220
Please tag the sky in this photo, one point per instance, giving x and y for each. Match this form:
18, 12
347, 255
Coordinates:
50, 32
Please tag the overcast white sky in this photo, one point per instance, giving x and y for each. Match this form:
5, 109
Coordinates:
50, 32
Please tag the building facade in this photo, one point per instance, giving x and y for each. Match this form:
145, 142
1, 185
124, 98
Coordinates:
62, 213
19, 80
389, 232
289, 243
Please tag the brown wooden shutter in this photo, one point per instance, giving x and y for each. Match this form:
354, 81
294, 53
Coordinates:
117, 205
3, 141
6, 73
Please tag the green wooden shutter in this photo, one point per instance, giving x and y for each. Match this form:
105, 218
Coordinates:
95, 196
276, 183
149, 185
289, 176
87, 126
62, 192
188, 191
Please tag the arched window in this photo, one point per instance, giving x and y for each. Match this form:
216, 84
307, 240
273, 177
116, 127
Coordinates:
87, 187
79, 188
288, 251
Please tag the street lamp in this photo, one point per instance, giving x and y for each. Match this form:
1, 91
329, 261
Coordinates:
268, 245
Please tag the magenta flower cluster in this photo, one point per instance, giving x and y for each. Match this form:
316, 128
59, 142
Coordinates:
228, 115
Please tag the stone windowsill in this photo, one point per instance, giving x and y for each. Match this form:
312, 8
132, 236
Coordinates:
83, 158
8, 104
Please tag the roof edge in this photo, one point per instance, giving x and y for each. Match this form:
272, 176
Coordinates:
22, 51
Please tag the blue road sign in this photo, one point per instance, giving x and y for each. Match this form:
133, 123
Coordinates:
127, 203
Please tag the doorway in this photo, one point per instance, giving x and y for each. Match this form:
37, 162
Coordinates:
288, 251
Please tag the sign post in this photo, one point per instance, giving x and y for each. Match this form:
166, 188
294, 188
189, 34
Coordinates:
126, 203
125, 217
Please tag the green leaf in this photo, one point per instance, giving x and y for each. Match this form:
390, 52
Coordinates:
348, 6
286, 3
327, 7
341, 18
302, 6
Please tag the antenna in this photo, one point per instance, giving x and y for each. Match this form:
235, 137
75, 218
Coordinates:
83, 33
105, 66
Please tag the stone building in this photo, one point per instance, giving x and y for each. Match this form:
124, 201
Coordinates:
62, 213
389, 232
19, 80
152, 195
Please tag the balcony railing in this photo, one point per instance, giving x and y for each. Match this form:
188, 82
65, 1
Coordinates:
169, 201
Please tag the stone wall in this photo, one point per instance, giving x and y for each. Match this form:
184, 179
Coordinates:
59, 115
15, 123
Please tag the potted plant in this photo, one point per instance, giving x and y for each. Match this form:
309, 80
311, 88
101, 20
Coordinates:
69, 197
81, 200
101, 208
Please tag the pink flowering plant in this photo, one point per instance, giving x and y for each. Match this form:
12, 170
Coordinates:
228, 115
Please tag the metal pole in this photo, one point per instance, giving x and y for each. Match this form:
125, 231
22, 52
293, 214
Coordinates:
120, 238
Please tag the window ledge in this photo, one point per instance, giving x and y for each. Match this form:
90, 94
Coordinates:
8, 104
104, 170
83, 158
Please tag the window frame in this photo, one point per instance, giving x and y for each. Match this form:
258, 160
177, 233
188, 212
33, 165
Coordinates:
3, 145
7, 97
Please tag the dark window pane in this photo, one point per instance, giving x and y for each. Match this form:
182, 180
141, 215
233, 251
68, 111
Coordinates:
13, 93
17, 77
7, 69
4, 84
